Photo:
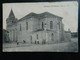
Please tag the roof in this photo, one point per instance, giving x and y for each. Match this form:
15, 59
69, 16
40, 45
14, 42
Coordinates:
11, 15
39, 16
67, 31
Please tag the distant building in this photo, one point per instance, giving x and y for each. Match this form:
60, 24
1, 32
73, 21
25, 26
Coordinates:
74, 34
67, 35
5, 36
36, 28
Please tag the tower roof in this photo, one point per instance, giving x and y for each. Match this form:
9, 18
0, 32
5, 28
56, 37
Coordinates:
11, 15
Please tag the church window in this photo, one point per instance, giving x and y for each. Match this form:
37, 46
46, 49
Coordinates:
20, 27
59, 25
42, 25
26, 25
51, 24
37, 36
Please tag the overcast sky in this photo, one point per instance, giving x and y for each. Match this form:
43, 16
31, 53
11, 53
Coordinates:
67, 10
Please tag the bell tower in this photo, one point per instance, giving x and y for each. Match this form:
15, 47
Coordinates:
11, 20
11, 26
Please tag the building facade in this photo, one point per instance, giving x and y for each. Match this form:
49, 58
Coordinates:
36, 28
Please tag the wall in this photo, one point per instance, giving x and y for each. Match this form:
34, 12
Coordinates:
67, 36
35, 24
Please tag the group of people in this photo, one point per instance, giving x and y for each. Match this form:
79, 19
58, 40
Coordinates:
36, 42
43, 42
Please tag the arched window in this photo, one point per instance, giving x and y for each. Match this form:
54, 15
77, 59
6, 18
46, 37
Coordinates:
37, 36
26, 25
58, 25
14, 35
51, 24
42, 25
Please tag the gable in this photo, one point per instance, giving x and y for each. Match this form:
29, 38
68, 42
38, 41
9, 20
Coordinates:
39, 16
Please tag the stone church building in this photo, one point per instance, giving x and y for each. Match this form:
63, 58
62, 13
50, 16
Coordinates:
37, 28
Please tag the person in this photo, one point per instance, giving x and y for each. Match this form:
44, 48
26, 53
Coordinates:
24, 41
17, 43
35, 41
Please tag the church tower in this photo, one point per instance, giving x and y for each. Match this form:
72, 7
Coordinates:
11, 20
11, 26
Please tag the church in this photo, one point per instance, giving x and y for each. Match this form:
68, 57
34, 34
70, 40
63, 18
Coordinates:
37, 28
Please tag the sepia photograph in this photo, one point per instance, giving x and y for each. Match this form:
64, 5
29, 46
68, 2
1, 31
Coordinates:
40, 27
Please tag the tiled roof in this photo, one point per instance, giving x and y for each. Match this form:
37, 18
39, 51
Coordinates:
39, 16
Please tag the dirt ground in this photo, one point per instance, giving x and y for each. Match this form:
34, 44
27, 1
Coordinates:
60, 47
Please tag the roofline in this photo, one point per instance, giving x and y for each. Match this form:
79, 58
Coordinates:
29, 16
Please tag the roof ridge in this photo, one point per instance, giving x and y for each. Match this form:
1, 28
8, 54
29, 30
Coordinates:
38, 15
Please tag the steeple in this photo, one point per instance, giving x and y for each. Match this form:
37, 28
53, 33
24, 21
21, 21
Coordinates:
11, 15
11, 20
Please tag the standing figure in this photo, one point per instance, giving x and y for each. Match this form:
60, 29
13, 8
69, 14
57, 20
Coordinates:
35, 41
24, 41
17, 43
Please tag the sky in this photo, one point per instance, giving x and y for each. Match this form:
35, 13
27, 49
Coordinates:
67, 10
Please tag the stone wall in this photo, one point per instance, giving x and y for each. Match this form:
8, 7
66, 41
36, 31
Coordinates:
28, 28
35, 24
